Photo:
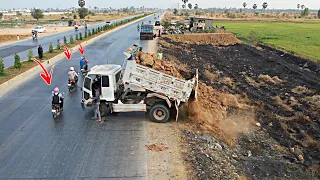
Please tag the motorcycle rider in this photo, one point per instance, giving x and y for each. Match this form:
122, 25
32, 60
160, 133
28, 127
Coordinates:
72, 75
83, 63
138, 27
57, 98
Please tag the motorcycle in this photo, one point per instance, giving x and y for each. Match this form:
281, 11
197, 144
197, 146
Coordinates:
84, 70
72, 84
34, 35
56, 110
76, 28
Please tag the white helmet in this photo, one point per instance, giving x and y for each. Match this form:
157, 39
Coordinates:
71, 69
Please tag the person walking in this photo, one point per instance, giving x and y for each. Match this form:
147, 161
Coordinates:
97, 115
40, 52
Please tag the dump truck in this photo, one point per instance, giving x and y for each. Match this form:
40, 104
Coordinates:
133, 87
146, 32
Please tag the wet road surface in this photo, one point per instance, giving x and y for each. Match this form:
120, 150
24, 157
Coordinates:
35, 146
22, 47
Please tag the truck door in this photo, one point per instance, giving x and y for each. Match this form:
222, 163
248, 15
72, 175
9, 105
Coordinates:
107, 88
87, 92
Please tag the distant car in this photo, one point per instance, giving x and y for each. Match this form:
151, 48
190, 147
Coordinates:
157, 23
64, 17
108, 23
40, 29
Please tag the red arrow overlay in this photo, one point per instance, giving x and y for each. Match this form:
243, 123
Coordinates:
81, 48
45, 76
67, 52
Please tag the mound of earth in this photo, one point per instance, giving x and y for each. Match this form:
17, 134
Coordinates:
151, 60
215, 39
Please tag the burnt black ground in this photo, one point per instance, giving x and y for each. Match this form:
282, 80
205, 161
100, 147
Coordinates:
242, 60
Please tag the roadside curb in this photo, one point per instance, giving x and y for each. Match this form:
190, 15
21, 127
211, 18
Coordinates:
31, 73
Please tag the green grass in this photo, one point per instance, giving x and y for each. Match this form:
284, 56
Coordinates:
291, 37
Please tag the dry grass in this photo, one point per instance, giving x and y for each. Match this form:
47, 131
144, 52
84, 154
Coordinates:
301, 90
210, 75
268, 79
282, 103
310, 142
228, 81
279, 148
242, 178
253, 82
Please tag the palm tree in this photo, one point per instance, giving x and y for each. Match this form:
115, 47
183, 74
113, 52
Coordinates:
185, 3
183, 6
264, 6
196, 6
255, 6
298, 6
244, 4
302, 7
190, 6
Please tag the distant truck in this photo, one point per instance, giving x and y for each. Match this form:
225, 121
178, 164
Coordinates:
133, 88
146, 32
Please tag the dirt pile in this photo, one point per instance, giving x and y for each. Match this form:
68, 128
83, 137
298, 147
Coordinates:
151, 60
215, 39
210, 113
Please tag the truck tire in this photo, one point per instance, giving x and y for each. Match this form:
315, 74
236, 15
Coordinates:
104, 109
159, 113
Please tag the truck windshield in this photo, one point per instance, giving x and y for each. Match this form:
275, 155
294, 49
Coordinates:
87, 83
147, 29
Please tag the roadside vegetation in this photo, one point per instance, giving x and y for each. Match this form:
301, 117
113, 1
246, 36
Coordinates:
21, 67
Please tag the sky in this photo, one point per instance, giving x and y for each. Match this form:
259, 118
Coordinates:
273, 4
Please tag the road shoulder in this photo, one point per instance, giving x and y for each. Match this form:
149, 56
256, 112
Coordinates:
165, 152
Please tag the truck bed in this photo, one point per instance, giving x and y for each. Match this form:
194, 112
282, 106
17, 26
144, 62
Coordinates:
152, 80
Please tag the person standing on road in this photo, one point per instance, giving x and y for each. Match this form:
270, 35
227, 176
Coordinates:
96, 102
40, 52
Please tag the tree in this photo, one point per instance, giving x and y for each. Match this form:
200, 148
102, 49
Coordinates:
255, 6
244, 4
319, 13
30, 55
185, 4
65, 40
85, 34
89, 33
77, 37
1, 14
1, 66
264, 6
37, 14
71, 40
175, 11
17, 63
305, 12
298, 6
74, 16
80, 37
50, 48
81, 3
58, 44
196, 6
83, 12
190, 6
302, 7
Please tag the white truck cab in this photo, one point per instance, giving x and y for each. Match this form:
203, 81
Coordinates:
109, 81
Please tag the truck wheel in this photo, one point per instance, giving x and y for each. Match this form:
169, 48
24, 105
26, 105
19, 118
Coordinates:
159, 113
104, 109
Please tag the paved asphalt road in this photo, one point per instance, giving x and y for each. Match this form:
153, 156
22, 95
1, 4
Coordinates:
22, 47
34, 146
